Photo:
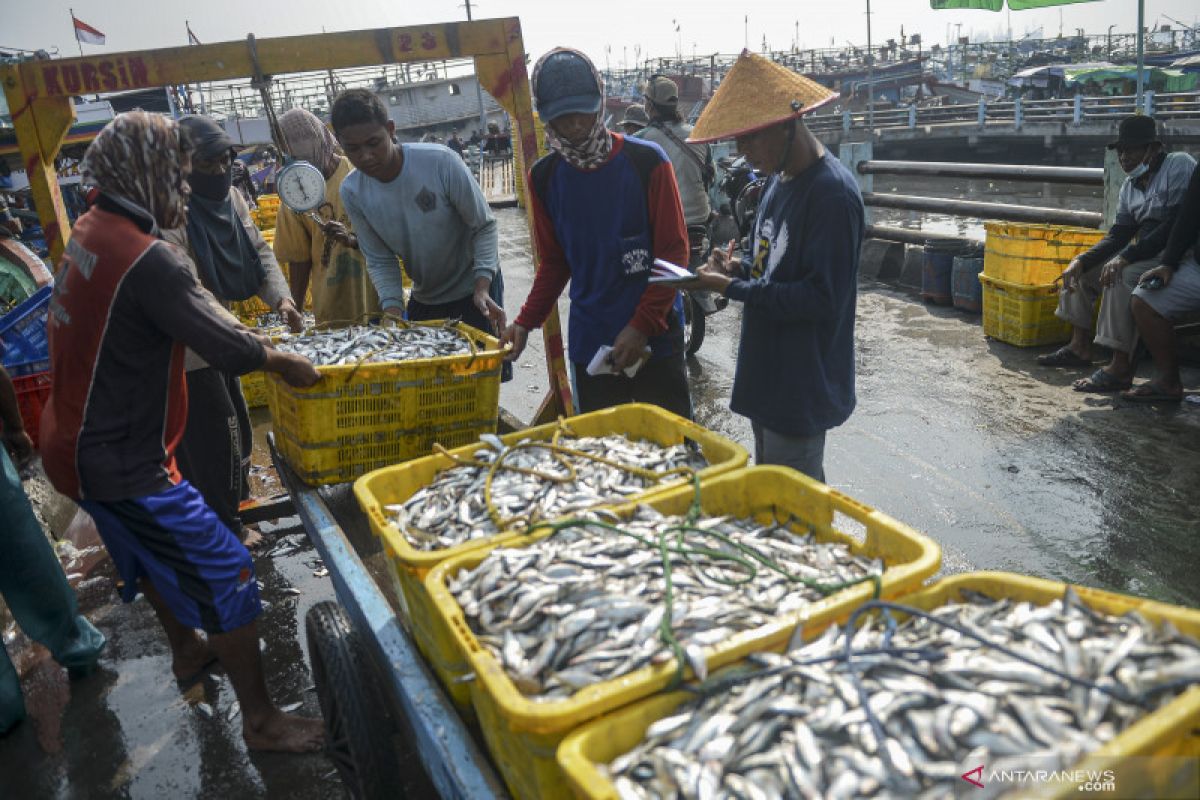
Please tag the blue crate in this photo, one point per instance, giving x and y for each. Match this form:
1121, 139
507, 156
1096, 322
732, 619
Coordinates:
23, 331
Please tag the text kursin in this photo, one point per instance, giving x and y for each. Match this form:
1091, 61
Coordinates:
105, 75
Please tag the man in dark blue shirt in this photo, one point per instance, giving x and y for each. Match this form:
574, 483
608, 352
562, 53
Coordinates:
798, 283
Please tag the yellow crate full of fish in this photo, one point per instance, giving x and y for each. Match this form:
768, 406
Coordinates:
1022, 315
1032, 254
965, 702
403, 484
765, 555
364, 415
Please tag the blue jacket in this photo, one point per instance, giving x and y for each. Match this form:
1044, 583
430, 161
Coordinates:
795, 369
601, 230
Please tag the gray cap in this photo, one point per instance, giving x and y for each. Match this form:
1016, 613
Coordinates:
662, 91
636, 115
565, 84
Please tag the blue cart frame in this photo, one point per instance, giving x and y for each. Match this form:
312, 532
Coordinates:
452, 759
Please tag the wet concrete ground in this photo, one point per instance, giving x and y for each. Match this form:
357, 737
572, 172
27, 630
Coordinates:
962, 438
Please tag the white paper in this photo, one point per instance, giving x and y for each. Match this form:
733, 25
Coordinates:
600, 365
666, 272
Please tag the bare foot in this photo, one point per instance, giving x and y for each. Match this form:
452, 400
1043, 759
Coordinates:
192, 659
285, 733
252, 539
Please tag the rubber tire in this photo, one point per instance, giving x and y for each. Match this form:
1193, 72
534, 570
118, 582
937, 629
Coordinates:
745, 207
693, 326
358, 728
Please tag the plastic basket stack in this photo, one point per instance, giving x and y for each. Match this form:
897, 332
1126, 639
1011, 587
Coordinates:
561, 746
267, 212
25, 353
1020, 266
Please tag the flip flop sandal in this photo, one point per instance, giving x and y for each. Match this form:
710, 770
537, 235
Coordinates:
1101, 382
1062, 357
1151, 393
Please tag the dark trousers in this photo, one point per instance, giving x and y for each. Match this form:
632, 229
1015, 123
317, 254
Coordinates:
214, 455
661, 381
466, 311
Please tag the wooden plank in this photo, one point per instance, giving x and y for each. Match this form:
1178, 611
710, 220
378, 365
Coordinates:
230, 60
507, 80
41, 124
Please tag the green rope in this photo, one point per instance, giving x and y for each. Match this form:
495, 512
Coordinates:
687, 551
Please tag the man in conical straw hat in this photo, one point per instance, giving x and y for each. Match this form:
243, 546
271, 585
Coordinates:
795, 370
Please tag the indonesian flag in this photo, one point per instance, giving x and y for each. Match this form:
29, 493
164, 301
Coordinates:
86, 33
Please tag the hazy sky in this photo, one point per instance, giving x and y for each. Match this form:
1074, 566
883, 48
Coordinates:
622, 26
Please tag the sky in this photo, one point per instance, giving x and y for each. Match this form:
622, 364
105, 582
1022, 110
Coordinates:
613, 32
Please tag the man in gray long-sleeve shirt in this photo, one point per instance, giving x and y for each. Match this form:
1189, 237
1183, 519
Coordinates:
1148, 203
418, 203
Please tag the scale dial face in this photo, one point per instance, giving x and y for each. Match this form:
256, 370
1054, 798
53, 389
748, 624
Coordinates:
301, 186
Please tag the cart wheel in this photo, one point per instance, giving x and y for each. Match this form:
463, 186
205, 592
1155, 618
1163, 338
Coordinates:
359, 732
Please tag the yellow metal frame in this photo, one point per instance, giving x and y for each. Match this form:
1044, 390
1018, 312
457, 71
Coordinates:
39, 98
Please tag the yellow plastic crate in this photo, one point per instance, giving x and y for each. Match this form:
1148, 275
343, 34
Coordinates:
523, 734
398, 483
1171, 732
254, 389
249, 309
1033, 255
1022, 315
363, 417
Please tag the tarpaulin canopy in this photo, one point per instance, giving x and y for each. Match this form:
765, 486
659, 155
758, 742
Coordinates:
1163, 80
1024, 5
1157, 78
997, 5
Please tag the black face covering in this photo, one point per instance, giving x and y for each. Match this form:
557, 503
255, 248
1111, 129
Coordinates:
211, 187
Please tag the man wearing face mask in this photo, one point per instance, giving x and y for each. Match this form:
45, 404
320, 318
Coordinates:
1149, 201
232, 260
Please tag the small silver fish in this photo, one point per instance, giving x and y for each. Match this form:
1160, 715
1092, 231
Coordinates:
800, 728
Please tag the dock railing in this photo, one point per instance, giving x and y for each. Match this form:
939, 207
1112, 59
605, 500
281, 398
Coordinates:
1073, 111
857, 157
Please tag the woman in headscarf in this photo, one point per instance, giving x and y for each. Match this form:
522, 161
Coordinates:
234, 262
342, 291
125, 305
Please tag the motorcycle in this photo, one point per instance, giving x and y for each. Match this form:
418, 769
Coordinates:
743, 186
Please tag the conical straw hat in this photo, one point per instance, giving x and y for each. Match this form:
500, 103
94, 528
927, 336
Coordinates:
757, 94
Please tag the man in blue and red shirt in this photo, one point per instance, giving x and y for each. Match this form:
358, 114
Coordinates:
604, 206
125, 307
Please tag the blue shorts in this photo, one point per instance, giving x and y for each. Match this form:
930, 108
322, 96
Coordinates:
204, 574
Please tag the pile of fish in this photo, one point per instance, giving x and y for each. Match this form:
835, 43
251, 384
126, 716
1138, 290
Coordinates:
273, 319
452, 509
798, 727
586, 604
360, 344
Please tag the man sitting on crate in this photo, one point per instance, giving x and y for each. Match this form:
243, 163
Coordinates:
1148, 203
125, 306
1169, 293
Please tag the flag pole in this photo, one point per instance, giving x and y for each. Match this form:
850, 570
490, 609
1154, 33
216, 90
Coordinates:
75, 33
